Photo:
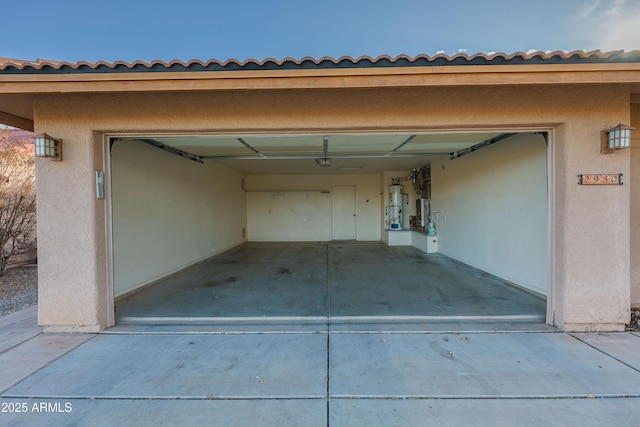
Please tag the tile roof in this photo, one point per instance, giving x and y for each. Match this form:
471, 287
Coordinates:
20, 135
15, 137
14, 66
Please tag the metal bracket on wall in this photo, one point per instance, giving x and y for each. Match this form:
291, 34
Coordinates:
545, 135
488, 142
158, 144
173, 150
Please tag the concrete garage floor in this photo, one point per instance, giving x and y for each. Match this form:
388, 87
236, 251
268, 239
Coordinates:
339, 282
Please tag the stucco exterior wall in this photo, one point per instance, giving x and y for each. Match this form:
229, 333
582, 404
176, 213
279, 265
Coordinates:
635, 205
490, 209
590, 243
169, 212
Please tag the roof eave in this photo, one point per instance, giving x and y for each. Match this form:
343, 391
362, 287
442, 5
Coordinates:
16, 121
443, 76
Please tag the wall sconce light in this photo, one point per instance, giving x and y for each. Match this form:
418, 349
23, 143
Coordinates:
47, 146
616, 138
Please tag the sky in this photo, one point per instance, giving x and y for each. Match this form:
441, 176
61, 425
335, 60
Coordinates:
147, 30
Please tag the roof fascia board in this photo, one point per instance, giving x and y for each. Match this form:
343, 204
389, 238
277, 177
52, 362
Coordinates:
478, 75
391, 71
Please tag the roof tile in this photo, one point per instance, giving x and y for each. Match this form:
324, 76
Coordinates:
14, 66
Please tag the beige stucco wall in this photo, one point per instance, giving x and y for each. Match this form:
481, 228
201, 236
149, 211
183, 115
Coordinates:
299, 211
635, 205
490, 209
169, 212
591, 228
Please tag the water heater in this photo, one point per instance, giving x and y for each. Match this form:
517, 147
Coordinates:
394, 207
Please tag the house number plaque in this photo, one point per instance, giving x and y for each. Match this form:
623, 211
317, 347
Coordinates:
600, 179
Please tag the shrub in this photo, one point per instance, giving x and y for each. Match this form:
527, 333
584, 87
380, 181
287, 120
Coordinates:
17, 196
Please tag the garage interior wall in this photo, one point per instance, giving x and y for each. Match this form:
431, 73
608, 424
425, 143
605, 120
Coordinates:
298, 207
169, 213
635, 205
490, 209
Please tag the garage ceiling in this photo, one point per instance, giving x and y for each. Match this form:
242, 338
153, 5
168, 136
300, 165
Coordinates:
346, 153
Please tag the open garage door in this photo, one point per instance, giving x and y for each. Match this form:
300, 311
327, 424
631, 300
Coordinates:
211, 220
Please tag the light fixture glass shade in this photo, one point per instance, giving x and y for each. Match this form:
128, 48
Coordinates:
47, 146
616, 138
626, 137
619, 137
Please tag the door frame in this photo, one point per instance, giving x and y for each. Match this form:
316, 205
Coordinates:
355, 211
109, 304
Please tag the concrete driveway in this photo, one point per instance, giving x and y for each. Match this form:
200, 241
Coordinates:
318, 375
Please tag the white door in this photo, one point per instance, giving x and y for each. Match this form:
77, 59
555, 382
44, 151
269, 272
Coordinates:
343, 212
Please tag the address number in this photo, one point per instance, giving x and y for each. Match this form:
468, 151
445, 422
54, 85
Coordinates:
600, 179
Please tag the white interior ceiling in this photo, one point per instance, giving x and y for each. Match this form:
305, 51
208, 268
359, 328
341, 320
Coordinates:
347, 153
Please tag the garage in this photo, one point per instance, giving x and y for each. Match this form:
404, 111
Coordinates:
437, 226
166, 167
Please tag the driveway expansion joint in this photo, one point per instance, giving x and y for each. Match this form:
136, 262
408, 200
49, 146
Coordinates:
575, 335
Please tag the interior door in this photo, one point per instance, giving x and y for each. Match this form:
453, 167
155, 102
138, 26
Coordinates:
343, 212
